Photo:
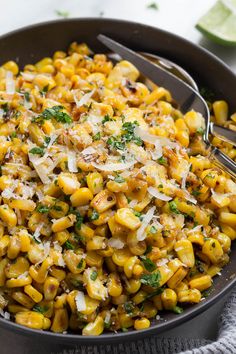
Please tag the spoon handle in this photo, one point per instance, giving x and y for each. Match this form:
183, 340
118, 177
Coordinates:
222, 133
223, 161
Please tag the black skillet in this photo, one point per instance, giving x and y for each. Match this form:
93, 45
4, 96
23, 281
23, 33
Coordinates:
32, 43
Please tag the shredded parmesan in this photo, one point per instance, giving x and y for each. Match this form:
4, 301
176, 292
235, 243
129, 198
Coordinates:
72, 166
113, 166
10, 83
155, 193
146, 220
116, 243
80, 301
84, 100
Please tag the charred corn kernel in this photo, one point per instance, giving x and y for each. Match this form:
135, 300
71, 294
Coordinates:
60, 321
58, 210
50, 288
191, 295
15, 308
94, 286
103, 201
39, 275
75, 262
141, 323
85, 232
121, 256
119, 300
117, 187
129, 266
61, 237
125, 320
34, 294
114, 285
95, 328
60, 301
8, 216
11, 66
126, 217
139, 297
181, 286
169, 299
148, 310
68, 183
96, 243
91, 305
196, 238
4, 242
93, 259
95, 182
157, 302
166, 273
132, 286
213, 250
194, 121
13, 247
227, 218
137, 270
209, 177
23, 299
19, 282
225, 241
221, 110
17, 267
177, 278
32, 319
201, 283
63, 223
81, 197
57, 273
213, 270
3, 264
229, 231
184, 250
36, 134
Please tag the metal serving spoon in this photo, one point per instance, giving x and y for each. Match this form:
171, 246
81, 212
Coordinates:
187, 97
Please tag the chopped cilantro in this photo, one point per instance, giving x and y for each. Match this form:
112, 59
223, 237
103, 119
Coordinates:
68, 245
107, 325
129, 135
94, 215
149, 265
47, 140
106, 118
42, 209
149, 249
94, 275
207, 93
173, 207
44, 90
55, 112
13, 135
177, 310
57, 207
115, 144
37, 151
27, 96
40, 309
97, 136
207, 292
139, 215
153, 6
154, 293
151, 279
119, 179
162, 160
200, 131
196, 192
153, 229
80, 264
129, 307
63, 14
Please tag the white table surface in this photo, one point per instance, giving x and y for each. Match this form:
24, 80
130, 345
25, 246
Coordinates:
178, 16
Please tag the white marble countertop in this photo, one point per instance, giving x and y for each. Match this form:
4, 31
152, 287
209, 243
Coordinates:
178, 16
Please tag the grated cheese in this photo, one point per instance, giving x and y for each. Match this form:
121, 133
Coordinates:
80, 301
155, 193
146, 220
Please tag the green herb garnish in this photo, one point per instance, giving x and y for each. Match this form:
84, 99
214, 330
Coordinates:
68, 245
94, 275
115, 144
37, 151
55, 112
80, 264
119, 179
153, 6
40, 309
151, 279
106, 118
173, 207
97, 136
64, 14
149, 265
129, 307
44, 90
177, 310
162, 160
42, 209
129, 135
94, 215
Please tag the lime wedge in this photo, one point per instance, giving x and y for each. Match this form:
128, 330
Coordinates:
219, 23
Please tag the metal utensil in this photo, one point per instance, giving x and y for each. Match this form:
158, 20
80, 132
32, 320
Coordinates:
187, 98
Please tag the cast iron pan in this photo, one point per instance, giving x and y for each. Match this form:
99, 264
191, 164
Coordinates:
32, 43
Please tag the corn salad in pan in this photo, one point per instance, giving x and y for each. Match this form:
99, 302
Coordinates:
110, 210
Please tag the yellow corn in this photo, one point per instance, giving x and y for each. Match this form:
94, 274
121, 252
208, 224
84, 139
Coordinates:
35, 295
94, 328
184, 250
103, 201
32, 319
126, 217
201, 283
